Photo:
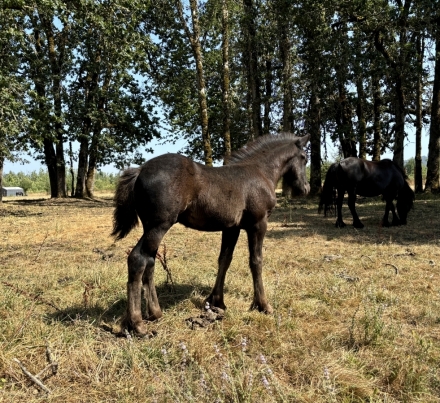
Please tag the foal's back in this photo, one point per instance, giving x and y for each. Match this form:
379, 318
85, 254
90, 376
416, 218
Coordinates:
177, 189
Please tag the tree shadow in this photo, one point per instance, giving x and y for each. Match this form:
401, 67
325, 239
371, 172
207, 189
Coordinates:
302, 219
62, 202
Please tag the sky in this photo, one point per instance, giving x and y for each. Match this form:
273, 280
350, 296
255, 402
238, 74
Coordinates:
159, 149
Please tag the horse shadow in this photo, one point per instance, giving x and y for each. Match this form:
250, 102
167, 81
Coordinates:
169, 297
301, 218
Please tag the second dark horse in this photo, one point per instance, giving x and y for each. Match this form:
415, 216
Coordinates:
367, 178
172, 189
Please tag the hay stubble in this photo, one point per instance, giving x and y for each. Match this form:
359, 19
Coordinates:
356, 311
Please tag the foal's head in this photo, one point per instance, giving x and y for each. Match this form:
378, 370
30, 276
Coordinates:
295, 179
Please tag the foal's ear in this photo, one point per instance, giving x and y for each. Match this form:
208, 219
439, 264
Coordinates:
302, 141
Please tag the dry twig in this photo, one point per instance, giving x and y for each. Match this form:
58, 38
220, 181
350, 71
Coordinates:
163, 261
396, 269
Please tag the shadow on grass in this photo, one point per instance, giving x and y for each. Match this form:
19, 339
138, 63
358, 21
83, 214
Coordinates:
61, 202
168, 298
300, 218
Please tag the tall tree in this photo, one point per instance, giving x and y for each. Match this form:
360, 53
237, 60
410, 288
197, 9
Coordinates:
251, 64
397, 58
226, 80
13, 119
433, 174
194, 39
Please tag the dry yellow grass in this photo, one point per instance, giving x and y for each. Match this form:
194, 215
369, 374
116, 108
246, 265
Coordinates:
356, 319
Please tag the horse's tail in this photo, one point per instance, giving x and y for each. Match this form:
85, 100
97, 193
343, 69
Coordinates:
125, 217
327, 194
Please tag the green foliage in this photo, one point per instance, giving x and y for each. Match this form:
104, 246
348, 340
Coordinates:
410, 166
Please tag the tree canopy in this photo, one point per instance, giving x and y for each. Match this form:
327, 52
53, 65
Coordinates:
112, 75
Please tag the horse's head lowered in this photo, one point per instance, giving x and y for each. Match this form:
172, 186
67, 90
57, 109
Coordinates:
294, 179
405, 202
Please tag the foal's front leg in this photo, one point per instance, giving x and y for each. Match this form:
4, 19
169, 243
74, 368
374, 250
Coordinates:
229, 240
255, 243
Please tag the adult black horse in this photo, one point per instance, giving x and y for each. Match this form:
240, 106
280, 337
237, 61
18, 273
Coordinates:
173, 189
367, 178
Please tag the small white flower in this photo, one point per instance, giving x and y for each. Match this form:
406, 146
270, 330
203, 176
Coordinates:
265, 382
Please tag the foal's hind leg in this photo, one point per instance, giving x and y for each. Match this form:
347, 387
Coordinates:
140, 278
229, 240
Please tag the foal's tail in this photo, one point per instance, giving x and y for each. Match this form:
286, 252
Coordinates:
125, 217
327, 194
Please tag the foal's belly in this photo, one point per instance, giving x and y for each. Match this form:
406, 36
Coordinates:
203, 221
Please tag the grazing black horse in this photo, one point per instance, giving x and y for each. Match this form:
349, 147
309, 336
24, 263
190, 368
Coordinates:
367, 178
173, 189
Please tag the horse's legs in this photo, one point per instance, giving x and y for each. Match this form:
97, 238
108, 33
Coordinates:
229, 240
255, 243
339, 201
140, 273
389, 206
152, 307
352, 206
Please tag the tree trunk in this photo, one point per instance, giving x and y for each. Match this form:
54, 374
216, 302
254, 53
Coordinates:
399, 131
418, 181
225, 81
377, 136
398, 67
72, 172
344, 124
56, 61
50, 159
93, 158
285, 48
432, 176
268, 95
315, 143
82, 166
252, 66
362, 125
194, 39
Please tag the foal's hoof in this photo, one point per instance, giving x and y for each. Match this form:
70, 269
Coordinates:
358, 225
266, 308
140, 329
154, 316
215, 302
340, 224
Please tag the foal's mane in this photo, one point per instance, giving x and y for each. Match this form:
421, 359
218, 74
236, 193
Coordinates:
254, 149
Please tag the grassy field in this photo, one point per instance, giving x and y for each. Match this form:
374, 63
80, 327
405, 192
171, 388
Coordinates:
357, 312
